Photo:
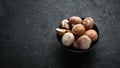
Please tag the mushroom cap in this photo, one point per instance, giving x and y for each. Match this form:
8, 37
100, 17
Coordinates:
75, 20
92, 34
78, 29
88, 22
68, 39
84, 42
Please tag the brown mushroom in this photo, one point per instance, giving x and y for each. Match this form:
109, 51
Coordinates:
92, 34
84, 42
75, 20
78, 29
67, 31
75, 45
88, 22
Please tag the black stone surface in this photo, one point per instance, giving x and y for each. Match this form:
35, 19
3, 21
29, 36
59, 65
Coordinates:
28, 38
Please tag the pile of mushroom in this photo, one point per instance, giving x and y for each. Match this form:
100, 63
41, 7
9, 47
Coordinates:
77, 33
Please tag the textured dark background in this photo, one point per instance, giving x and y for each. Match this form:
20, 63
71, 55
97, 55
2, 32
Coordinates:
28, 38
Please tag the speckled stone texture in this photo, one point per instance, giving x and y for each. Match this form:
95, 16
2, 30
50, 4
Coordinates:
28, 37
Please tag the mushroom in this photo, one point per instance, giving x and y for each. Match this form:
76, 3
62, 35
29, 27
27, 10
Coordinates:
75, 20
68, 39
84, 42
67, 31
88, 22
65, 24
60, 31
78, 29
75, 45
92, 34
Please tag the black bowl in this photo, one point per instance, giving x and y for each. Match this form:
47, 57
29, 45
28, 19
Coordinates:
71, 49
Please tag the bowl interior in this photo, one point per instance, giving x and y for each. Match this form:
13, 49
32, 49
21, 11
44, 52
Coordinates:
71, 49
